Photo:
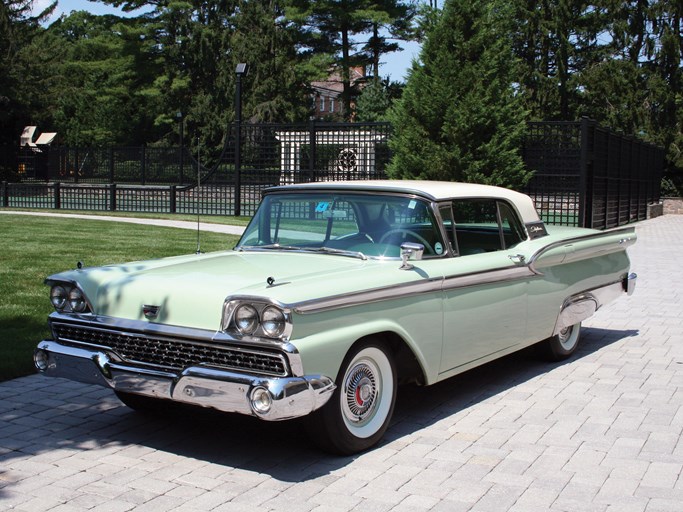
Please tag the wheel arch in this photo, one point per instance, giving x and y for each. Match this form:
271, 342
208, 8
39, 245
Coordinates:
409, 368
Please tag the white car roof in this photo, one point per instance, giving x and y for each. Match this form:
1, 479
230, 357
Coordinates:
432, 190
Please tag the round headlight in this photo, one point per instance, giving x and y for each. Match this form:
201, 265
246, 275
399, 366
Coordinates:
58, 297
273, 322
77, 301
246, 319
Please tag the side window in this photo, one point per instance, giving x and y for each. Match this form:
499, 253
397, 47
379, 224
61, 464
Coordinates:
476, 226
485, 225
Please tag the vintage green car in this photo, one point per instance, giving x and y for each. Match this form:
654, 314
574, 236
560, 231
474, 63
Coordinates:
335, 294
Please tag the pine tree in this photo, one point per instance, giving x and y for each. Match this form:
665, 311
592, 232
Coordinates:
19, 76
459, 118
332, 25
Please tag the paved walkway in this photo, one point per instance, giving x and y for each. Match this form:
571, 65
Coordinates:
183, 224
601, 432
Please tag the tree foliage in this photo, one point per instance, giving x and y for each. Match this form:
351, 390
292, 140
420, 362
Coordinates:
113, 80
333, 24
459, 118
21, 80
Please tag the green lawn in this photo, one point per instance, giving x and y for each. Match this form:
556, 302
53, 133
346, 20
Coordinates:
35, 247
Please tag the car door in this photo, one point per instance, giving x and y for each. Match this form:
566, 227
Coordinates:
485, 284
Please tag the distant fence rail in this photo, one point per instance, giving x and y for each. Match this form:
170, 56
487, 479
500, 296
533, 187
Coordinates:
584, 175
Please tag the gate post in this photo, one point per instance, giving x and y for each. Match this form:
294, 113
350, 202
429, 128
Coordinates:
58, 196
312, 150
585, 178
112, 197
143, 158
111, 165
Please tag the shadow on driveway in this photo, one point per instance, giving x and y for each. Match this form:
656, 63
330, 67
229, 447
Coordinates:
73, 417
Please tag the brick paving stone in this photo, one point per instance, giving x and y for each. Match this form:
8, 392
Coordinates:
600, 432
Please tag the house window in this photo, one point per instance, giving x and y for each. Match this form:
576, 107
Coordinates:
331, 104
322, 103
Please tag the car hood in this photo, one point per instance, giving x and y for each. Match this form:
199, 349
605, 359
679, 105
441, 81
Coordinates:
191, 290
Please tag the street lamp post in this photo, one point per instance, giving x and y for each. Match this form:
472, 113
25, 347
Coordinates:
179, 116
240, 71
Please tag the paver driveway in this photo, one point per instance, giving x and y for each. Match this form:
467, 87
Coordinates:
599, 432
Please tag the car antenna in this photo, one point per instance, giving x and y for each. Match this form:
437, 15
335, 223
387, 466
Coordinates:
199, 183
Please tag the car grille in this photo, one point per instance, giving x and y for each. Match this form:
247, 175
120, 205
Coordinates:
171, 353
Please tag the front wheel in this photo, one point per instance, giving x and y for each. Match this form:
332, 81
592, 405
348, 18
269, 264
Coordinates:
562, 345
359, 412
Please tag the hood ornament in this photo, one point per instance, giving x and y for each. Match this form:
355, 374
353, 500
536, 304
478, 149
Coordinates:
150, 311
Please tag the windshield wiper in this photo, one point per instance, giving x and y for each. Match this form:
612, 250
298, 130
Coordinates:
269, 246
339, 252
326, 250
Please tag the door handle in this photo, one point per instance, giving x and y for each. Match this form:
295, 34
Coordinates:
517, 258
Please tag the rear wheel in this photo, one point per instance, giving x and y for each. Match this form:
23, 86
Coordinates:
562, 345
359, 412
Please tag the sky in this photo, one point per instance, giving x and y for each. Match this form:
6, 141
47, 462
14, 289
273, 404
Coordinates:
395, 65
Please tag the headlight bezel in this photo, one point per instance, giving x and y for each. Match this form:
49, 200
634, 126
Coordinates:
273, 311
72, 298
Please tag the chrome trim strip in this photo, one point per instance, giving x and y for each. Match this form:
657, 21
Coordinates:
499, 275
504, 274
367, 296
628, 240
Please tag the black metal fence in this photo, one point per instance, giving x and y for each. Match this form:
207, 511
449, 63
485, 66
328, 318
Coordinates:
584, 175
149, 179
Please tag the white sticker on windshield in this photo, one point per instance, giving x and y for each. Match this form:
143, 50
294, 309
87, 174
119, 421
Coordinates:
412, 204
438, 248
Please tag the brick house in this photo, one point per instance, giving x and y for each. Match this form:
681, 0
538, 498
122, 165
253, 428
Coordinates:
327, 94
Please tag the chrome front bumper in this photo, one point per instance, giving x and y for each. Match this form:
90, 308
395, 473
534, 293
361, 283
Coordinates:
224, 390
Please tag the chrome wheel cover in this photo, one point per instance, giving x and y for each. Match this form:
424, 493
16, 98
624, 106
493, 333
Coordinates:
360, 389
366, 393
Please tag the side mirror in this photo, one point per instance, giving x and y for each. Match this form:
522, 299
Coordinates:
410, 251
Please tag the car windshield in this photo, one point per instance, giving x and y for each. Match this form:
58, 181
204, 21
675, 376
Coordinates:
372, 225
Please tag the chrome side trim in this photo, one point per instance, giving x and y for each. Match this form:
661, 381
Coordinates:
500, 275
504, 274
367, 296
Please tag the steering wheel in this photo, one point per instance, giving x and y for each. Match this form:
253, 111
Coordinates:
407, 232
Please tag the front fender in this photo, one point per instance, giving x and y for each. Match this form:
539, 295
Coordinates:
324, 351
